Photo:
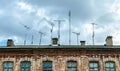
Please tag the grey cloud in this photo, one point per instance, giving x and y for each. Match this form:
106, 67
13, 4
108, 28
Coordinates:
82, 11
107, 18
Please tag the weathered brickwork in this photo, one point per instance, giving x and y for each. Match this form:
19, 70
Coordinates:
59, 58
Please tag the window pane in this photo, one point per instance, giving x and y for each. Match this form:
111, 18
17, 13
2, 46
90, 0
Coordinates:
72, 66
47, 66
93, 66
25, 66
110, 66
107, 64
8, 66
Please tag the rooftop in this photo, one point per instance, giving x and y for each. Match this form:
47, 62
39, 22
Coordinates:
60, 47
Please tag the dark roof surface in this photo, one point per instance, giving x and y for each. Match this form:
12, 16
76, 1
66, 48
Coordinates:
62, 46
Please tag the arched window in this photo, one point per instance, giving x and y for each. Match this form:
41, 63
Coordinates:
93, 66
25, 66
110, 66
47, 65
8, 66
71, 66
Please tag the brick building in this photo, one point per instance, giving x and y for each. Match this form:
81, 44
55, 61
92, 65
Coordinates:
60, 58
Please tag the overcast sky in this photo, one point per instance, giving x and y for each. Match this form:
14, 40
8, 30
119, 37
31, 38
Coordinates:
16, 14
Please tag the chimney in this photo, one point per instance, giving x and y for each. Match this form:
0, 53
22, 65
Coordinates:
82, 43
109, 41
54, 41
10, 42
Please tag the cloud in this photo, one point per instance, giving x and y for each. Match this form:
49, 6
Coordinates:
105, 13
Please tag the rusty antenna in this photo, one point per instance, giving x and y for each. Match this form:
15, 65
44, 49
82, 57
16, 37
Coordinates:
77, 34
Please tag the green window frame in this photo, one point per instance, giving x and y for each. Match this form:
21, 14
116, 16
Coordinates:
93, 66
8, 66
47, 65
71, 66
25, 65
110, 66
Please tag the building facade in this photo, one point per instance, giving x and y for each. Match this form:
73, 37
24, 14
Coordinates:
61, 58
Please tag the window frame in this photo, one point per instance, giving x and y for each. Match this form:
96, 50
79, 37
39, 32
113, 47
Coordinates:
8, 67
93, 63
29, 67
47, 68
114, 67
72, 66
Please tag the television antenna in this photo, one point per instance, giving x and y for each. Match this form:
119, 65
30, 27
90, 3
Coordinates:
52, 25
32, 39
77, 34
93, 35
59, 22
40, 36
69, 14
27, 28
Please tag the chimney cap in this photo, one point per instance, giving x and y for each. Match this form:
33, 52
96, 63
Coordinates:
82, 41
55, 38
108, 37
10, 40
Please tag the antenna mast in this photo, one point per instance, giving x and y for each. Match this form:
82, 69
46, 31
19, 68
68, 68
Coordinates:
27, 28
40, 33
77, 34
32, 39
59, 22
93, 36
69, 27
52, 24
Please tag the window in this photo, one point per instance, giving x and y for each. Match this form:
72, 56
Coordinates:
110, 66
93, 66
25, 66
8, 66
47, 65
71, 66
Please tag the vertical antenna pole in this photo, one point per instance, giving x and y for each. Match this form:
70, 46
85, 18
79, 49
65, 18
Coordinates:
25, 39
40, 33
51, 33
93, 36
40, 38
77, 40
32, 40
27, 28
77, 34
69, 27
59, 22
52, 24
59, 31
